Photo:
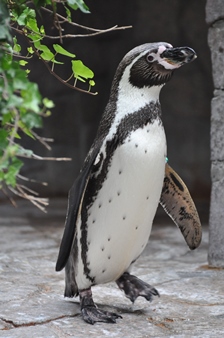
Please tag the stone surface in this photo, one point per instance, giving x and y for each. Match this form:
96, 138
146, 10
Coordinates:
216, 44
215, 16
216, 229
214, 10
31, 292
217, 127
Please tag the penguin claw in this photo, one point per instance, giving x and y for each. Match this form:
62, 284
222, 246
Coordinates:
134, 287
91, 315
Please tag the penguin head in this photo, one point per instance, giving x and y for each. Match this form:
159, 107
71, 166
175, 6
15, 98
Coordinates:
152, 64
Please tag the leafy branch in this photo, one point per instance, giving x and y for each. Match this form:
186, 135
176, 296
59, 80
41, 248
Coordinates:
24, 22
22, 107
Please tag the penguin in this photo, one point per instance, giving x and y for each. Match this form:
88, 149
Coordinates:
113, 201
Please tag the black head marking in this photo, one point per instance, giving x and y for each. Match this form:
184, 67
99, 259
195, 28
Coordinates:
145, 73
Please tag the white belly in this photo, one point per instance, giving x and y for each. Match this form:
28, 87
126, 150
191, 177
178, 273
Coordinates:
120, 219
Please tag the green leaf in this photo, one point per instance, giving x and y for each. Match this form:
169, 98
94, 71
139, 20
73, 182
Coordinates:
35, 38
46, 54
30, 50
6, 118
78, 4
31, 97
4, 22
16, 46
12, 172
59, 49
68, 13
80, 71
31, 120
27, 17
23, 62
48, 103
26, 130
42, 30
32, 25
91, 83
3, 139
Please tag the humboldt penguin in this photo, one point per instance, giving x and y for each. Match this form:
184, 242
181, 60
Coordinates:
114, 199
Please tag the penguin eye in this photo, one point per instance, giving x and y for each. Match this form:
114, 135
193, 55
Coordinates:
149, 58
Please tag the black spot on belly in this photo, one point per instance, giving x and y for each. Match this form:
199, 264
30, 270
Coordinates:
124, 217
136, 145
118, 193
109, 257
102, 248
136, 228
103, 270
108, 239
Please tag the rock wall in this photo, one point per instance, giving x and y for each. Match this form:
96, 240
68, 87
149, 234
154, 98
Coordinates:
215, 19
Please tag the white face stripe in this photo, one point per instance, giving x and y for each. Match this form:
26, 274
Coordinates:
163, 62
130, 98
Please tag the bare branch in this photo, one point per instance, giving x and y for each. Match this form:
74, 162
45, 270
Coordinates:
30, 180
40, 158
99, 31
42, 140
39, 202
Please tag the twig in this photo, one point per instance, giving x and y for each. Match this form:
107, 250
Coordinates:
42, 140
31, 180
40, 158
27, 189
9, 197
39, 202
99, 31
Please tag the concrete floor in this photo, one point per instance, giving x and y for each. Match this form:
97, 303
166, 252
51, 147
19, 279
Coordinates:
31, 292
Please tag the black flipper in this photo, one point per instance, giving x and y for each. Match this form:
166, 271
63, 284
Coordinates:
74, 202
177, 202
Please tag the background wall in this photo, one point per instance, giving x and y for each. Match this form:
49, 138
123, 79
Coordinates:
185, 100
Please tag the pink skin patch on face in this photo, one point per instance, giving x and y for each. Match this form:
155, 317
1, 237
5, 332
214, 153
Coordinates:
162, 48
167, 64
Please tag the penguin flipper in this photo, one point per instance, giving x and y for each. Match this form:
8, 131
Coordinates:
178, 204
75, 198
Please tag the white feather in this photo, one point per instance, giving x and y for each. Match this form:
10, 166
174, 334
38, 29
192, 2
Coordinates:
120, 219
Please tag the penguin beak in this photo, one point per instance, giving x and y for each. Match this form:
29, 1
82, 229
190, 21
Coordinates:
178, 56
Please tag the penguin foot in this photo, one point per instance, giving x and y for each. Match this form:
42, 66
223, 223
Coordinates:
134, 287
90, 313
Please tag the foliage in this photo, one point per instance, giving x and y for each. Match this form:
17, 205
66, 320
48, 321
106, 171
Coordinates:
22, 106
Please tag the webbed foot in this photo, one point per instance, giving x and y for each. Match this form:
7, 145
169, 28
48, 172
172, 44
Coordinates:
134, 287
90, 313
